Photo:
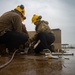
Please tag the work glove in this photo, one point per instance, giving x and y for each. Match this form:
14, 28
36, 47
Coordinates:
27, 43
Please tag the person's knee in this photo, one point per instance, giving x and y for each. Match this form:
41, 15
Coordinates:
41, 34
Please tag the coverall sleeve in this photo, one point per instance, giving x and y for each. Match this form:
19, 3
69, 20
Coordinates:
24, 29
17, 24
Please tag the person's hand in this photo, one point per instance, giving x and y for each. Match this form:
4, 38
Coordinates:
28, 42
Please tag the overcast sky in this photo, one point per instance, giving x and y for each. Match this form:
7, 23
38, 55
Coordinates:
59, 13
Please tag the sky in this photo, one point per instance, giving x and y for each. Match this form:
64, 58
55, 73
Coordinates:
59, 13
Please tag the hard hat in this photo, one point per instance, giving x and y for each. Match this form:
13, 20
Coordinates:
36, 18
21, 10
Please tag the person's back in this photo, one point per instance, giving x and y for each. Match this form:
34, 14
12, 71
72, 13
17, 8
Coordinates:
9, 22
43, 27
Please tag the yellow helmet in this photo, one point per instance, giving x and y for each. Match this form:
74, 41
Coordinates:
35, 18
21, 10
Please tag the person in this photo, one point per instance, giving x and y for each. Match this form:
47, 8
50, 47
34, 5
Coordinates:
13, 32
44, 35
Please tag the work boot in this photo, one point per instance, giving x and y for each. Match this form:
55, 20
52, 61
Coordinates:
52, 48
46, 51
25, 51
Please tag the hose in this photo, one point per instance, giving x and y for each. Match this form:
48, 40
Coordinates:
2, 66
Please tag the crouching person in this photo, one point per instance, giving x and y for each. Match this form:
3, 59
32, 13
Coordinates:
44, 35
13, 33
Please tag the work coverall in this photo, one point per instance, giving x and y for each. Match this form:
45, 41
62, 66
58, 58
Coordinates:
12, 31
45, 35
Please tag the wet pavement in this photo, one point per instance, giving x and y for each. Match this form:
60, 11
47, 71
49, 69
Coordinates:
39, 65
